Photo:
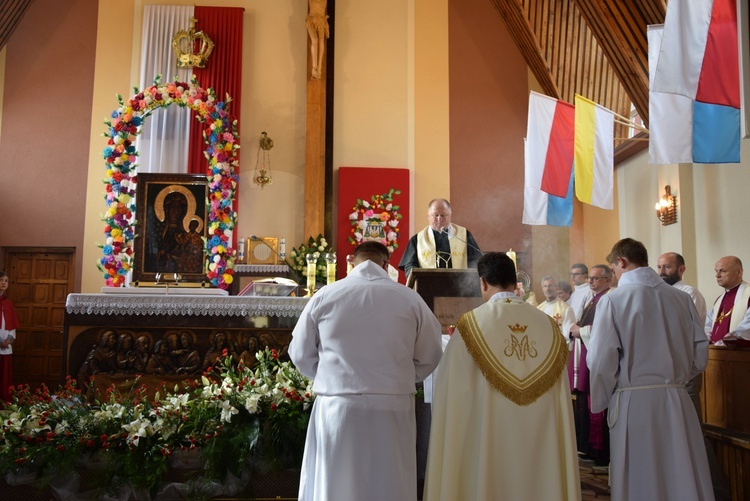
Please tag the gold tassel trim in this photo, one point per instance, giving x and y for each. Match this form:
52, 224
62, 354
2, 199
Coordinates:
520, 392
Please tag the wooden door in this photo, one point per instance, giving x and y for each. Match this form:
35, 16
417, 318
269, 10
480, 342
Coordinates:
40, 281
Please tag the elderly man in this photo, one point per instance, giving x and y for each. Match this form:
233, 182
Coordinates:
579, 275
441, 244
647, 344
502, 426
729, 319
555, 307
366, 341
590, 427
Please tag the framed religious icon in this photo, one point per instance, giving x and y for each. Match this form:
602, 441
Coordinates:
171, 224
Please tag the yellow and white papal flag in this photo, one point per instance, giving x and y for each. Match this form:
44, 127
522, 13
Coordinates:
594, 161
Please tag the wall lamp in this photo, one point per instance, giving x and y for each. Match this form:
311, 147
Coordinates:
666, 207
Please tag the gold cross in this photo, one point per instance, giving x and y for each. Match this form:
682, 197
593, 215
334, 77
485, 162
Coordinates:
723, 315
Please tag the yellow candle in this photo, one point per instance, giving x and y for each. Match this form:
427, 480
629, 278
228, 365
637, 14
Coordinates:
512, 256
311, 272
331, 267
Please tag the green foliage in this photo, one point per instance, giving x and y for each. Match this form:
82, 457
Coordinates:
237, 417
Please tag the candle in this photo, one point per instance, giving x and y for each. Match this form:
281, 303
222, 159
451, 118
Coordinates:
311, 272
331, 267
282, 249
512, 256
349, 263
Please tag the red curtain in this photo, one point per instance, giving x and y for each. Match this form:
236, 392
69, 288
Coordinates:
223, 72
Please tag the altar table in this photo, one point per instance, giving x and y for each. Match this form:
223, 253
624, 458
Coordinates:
243, 323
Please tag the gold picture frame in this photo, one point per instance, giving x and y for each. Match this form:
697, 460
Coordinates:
171, 215
263, 250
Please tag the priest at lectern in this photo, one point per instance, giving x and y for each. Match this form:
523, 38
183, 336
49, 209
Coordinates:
441, 244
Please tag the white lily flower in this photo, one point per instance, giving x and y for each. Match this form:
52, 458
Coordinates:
227, 411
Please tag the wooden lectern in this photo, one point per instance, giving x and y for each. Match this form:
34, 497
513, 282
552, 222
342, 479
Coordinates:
449, 293
456, 289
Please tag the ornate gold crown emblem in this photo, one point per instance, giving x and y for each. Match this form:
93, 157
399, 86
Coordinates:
518, 328
189, 53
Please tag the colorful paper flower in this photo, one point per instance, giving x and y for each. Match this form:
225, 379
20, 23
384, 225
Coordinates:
220, 135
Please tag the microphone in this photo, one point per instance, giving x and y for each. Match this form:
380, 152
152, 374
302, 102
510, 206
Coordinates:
445, 230
257, 239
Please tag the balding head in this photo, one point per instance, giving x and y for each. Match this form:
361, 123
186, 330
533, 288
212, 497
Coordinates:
439, 214
671, 267
728, 272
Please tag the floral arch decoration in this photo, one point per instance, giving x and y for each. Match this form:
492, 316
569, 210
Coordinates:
220, 135
376, 220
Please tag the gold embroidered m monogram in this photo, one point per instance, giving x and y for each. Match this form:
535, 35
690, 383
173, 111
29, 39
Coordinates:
520, 348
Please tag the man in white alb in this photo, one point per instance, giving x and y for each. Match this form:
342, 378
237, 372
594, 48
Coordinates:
366, 341
555, 307
579, 276
647, 344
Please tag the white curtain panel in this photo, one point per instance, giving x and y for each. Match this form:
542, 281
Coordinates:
163, 142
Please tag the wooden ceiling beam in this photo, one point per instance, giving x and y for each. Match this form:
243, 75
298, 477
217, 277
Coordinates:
522, 33
10, 16
619, 27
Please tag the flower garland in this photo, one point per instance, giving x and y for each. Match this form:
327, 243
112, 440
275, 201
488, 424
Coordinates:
376, 220
222, 140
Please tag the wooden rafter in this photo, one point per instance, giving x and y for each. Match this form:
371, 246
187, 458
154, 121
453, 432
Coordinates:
620, 29
11, 13
597, 48
523, 34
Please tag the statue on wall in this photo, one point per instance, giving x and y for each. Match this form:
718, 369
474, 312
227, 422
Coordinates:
125, 359
160, 361
142, 352
188, 361
214, 353
317, 28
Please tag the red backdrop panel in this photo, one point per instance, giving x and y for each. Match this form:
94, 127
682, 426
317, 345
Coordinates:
364, 182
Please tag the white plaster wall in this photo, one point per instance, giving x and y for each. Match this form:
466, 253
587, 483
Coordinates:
713, 204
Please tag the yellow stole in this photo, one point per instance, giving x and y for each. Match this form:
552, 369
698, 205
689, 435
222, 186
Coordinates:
740, 306
557, 312
426, 248
518, 349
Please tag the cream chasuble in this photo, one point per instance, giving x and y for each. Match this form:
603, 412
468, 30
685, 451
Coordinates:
426, 247
502, 422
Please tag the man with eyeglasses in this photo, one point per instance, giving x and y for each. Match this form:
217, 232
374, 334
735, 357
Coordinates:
441, 244
590, 428
729, 318
579, 276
